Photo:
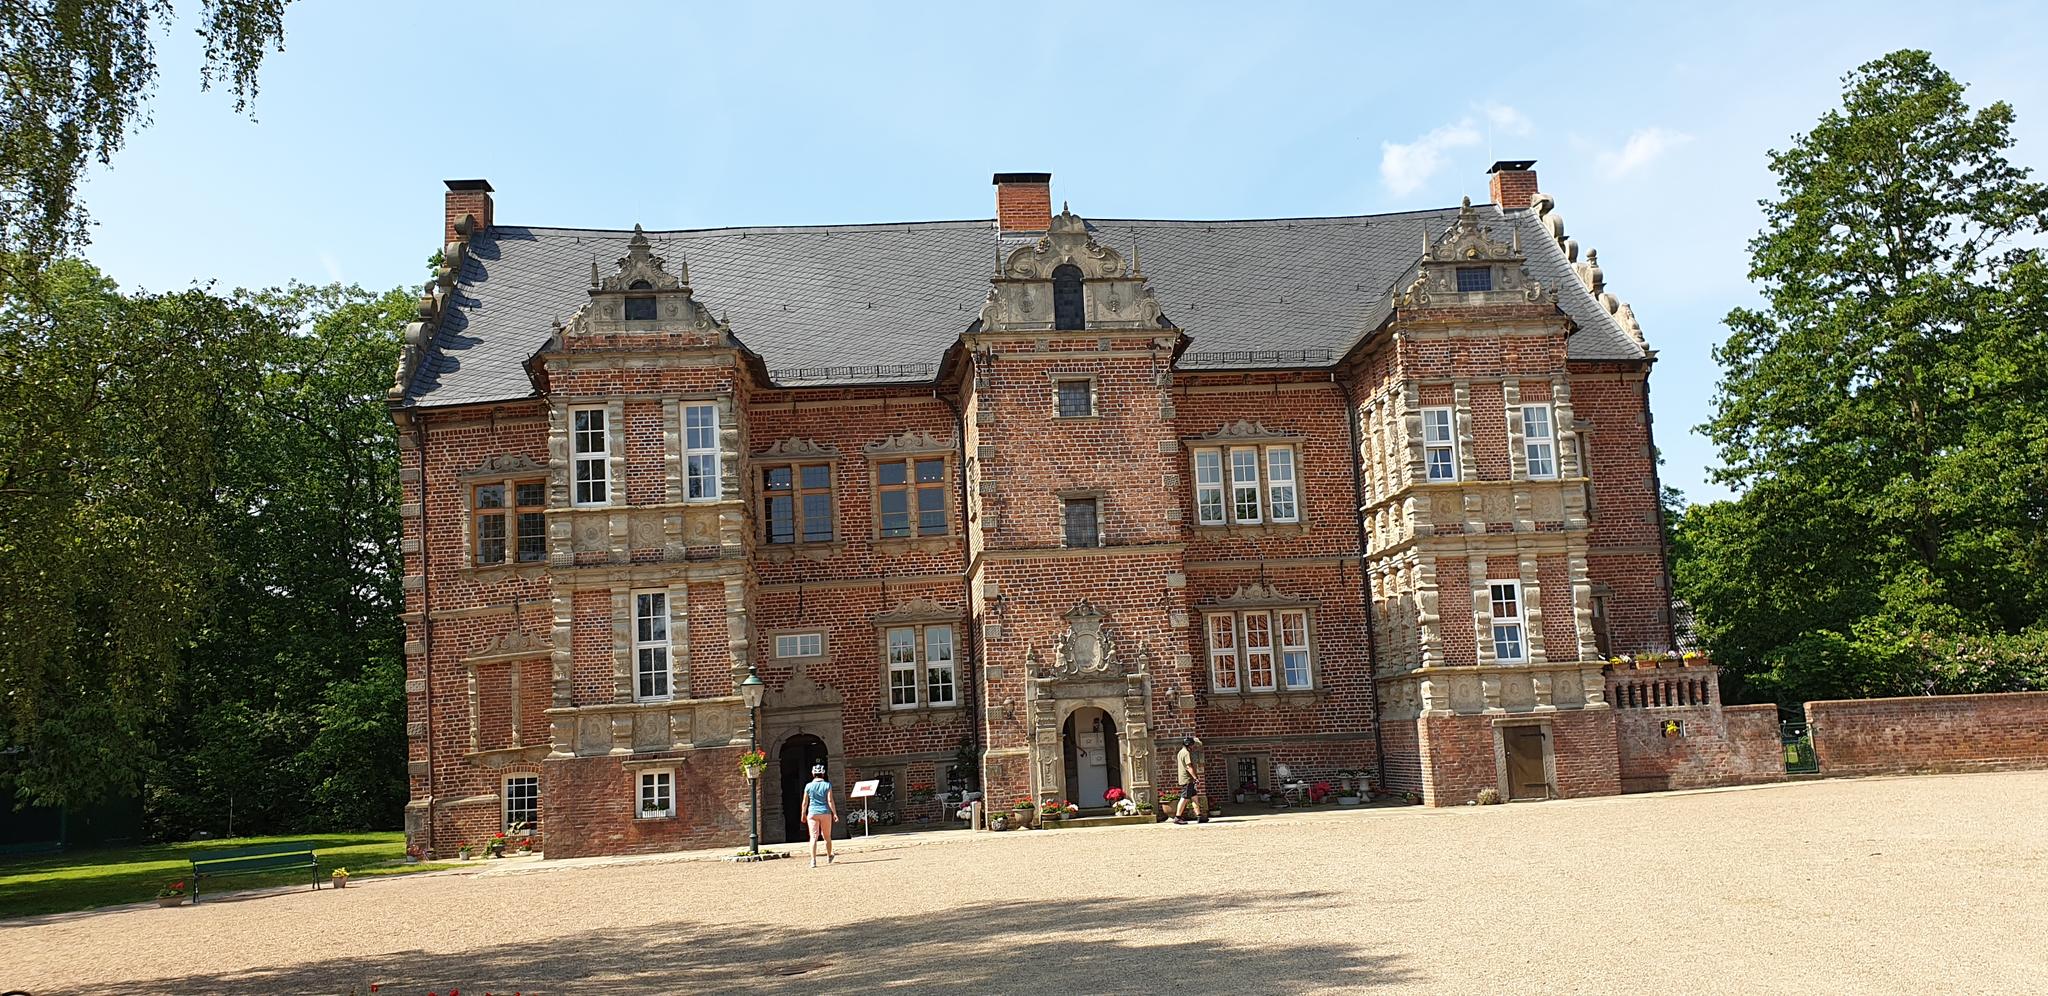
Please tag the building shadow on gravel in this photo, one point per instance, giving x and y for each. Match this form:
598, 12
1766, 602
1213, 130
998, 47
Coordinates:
1042, 945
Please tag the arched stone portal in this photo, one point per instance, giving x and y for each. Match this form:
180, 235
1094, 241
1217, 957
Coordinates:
1088, 673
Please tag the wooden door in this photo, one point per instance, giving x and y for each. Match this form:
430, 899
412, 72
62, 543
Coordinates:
1525, 763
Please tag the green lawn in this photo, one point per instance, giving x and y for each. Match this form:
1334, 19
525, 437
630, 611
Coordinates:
83, 879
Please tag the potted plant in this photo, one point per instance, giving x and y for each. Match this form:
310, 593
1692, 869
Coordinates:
340, 877
495, 847
753, 762
172, 894
462, 853
1052, 812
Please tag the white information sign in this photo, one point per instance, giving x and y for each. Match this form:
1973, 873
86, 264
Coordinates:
862, 790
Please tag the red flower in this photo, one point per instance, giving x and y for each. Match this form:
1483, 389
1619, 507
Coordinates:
1113, 795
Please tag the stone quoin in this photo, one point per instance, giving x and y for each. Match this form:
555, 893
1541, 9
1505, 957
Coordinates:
1017, 504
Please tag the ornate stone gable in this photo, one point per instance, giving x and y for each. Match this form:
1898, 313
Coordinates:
1467, 246
641, 295
1116, 296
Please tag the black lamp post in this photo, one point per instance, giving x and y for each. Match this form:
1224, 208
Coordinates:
751, 692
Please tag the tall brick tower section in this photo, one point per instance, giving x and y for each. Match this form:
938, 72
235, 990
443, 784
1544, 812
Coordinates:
1474, 502
1075, 556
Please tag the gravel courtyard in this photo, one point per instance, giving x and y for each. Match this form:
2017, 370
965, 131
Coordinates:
1933, 884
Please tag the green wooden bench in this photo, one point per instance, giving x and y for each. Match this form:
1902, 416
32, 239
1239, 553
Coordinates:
254, 858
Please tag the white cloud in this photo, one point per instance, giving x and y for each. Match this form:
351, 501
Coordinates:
1642, 148
1404, 168
331, 265
1507, 120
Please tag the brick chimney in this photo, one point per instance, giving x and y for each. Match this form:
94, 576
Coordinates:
467, 197
1513, 183
1023, 202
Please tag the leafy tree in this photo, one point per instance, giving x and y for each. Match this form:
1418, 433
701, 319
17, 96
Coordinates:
296, 679
114, 413
78, 74
1885, 417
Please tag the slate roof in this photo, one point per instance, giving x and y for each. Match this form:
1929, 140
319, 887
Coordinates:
847, 304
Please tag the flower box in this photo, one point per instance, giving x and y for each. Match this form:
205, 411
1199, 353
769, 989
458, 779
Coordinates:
170, 901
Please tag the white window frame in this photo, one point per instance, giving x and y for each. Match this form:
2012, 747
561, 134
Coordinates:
1276, 483
935, 665
647, 645
903, 670
701, 454
598, 460
1223, 660
1544, 445
1254, 650
663, 782
1239, 487
1440, 437
505, 820
1291, 650
1510, 631
810, 643
1211, 508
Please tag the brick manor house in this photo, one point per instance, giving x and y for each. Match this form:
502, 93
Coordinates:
1018, 503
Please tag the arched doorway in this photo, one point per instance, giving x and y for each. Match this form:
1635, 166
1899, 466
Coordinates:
1094, 758
799, 754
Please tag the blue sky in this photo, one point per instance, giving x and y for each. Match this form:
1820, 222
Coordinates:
1649, 127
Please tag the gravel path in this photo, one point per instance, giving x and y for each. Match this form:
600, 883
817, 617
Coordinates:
1908, 885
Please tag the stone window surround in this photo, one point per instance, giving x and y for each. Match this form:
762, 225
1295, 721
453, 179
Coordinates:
1094, 395
1261, 598
716, 450
473, 533
1101, 499
510, 470
666, 644
824, 643
795, 465
1520, 618
1246, 435
625, 663
918, 614
642, 779
910, 447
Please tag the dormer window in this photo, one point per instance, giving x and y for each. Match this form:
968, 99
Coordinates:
1069, 306
1475, 278
640, 308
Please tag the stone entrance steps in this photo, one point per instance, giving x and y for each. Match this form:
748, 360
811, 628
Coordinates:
1082, 822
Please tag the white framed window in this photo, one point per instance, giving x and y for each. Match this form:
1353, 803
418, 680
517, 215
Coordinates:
903, 667
657, 794
1209, 487
799, 645
1439, 444
1262, 485
1509, 643
1223, 652
922, 666
1294, 649
522, 800
653, 675
1258, 651
700, 452
1280, 492
590, 456
1244, 484
1539, 441
940, 688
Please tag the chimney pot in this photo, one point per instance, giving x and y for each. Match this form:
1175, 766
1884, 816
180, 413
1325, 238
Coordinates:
470, 199
1023, 202
1512, 183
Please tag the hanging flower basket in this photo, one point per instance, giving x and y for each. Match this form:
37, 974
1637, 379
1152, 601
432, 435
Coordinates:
752, 763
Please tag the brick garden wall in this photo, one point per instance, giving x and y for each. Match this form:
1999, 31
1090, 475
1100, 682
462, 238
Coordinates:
1930, 733
1736, 745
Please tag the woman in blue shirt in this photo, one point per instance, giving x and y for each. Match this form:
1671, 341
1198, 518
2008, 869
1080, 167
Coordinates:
819, 812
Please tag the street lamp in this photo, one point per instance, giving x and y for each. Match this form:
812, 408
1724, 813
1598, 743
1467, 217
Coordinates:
751, 692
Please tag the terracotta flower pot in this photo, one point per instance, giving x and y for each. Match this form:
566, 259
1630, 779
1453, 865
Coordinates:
169, 901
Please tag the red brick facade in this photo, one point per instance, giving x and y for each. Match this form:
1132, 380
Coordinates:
1342, 613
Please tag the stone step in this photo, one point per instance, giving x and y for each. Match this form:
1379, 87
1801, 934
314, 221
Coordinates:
1081, 822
